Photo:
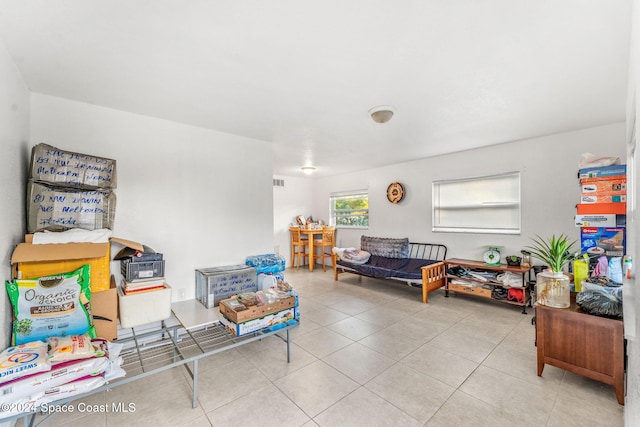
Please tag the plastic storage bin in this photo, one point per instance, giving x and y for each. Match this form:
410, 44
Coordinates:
145, 307
141, 270
217, 283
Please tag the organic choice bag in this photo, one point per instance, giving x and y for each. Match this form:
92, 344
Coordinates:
51, 306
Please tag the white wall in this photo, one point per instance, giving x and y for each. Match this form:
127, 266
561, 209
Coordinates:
202, 198
631, 292
295, 198
549, 188
14, 137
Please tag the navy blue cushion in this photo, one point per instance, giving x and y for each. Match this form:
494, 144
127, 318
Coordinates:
383, 267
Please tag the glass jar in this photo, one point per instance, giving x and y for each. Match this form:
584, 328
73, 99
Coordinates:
553, 289
526, 259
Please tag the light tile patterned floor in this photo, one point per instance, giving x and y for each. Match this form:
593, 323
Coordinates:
369, 353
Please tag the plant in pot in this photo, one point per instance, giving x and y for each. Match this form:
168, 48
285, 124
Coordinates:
513, 260
552, 287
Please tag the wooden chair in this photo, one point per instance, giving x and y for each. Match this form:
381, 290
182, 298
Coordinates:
326, 244
298, 246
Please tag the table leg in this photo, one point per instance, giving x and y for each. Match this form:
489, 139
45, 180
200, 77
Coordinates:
194, 402
288, 348
312, 253
293, 259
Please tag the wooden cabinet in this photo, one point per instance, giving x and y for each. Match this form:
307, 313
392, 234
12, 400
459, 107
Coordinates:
481, 285
587, 345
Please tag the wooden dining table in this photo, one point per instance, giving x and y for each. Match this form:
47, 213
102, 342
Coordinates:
310, 233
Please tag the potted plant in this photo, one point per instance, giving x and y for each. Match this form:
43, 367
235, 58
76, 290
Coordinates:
513, 260
552, 287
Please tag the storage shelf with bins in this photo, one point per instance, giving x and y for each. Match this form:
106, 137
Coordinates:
482, 288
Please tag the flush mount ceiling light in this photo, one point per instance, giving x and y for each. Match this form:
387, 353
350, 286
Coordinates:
308, 169
382, 113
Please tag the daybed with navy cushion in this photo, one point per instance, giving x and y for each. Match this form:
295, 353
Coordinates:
399, 259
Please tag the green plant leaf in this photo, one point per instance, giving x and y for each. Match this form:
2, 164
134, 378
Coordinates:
555, 252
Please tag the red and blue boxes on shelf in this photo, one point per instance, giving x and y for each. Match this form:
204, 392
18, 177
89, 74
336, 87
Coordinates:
601, 213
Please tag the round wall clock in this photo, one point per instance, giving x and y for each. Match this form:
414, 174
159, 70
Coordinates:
395, 192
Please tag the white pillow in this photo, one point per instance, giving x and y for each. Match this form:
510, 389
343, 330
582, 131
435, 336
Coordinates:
352, 255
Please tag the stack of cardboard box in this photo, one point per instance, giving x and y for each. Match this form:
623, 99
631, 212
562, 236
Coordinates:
601, 213
65, 191
69, 190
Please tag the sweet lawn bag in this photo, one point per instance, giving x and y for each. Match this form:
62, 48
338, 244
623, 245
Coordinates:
52, 306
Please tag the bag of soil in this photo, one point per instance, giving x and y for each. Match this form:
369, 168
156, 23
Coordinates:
57, 305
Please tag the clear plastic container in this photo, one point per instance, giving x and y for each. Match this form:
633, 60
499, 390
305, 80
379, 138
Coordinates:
267, 281
553, 289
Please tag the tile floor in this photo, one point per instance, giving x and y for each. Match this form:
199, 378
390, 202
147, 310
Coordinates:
369, 353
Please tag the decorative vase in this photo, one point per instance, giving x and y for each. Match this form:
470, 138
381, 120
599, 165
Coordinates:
553, 289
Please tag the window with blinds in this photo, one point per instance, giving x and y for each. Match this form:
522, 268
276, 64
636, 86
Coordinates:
350, 209
489, 204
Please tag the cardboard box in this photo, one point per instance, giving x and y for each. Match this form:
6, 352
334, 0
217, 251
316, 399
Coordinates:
57, 209
612, 187
606, 172
603, 178
68, 169
29, 261
605, 220
145, 307
601, 208
272, 321
254, 312
104, 309
602, 198
609, 241
217, 283
474, 290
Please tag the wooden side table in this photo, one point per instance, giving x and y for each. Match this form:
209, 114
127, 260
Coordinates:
587, 345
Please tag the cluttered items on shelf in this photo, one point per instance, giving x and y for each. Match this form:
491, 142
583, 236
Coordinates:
598, 283
308, 223
144, 295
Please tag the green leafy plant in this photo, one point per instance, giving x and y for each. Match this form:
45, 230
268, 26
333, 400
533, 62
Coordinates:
555, 252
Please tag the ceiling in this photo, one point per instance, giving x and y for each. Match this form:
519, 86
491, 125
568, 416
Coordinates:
302, 75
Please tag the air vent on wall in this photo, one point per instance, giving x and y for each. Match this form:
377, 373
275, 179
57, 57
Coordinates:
278, 182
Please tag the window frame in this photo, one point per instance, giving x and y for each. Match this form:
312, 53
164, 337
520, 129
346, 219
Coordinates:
494, 202
347, 194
